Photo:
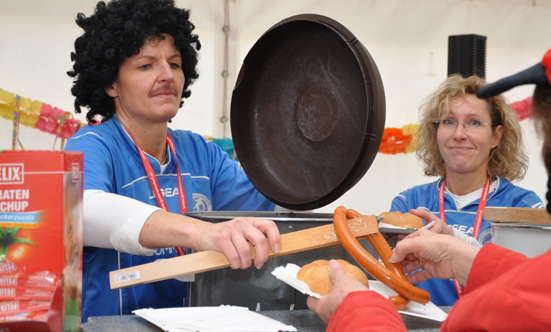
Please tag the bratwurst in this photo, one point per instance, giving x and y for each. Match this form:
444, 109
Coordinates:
378, 271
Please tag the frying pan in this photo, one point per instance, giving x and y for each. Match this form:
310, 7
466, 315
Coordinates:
307, 112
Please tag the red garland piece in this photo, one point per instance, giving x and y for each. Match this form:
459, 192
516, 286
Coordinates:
394, 141
523, 108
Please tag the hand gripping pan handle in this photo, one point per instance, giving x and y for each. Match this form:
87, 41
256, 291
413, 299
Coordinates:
308, 239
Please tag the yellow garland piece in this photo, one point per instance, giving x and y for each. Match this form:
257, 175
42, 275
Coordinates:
30, 110
411, 129
7, 97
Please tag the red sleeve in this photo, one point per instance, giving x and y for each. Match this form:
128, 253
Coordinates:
505, 291
491, 262
366, 311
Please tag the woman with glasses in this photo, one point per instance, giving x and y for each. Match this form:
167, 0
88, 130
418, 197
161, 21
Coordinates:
475, 148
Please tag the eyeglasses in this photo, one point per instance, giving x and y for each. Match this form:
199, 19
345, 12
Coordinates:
451, 125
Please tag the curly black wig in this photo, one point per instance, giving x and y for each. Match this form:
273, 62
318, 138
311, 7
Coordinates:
116, 31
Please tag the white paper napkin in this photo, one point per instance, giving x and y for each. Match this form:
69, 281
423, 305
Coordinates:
211, 319
288, 275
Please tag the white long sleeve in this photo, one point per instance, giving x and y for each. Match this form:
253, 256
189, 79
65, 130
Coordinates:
466, 238
115, 222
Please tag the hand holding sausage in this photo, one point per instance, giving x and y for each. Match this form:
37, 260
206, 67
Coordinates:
440, 256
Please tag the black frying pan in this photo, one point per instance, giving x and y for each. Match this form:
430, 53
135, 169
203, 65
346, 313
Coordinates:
307, 112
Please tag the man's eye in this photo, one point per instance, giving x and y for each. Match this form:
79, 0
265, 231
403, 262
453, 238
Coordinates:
448, 122
475, 123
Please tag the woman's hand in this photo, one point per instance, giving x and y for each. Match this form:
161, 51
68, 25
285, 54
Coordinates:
342, 286
437, 255
438, 227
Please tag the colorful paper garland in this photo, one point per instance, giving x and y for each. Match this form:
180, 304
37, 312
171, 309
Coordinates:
36, 114
52, 120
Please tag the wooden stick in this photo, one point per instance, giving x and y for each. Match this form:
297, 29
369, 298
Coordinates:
308, 239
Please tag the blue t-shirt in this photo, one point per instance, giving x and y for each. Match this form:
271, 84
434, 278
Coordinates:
443, 292
212, 182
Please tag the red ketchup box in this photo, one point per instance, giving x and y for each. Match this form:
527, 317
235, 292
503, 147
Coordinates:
40, 240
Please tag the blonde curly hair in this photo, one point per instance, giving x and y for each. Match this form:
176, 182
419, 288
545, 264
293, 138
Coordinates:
507, 160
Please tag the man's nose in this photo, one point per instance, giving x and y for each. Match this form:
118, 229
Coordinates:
166, 73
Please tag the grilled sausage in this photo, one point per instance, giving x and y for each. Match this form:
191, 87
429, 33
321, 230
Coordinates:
377, 270
383, 249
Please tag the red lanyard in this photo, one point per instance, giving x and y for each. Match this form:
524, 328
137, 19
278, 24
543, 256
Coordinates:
155, 183
478, 220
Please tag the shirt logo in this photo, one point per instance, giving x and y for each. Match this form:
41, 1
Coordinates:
485, 237
201, 203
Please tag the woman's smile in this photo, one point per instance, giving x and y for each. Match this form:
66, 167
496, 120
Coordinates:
464, 148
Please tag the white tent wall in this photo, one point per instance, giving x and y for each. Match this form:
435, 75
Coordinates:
408, 39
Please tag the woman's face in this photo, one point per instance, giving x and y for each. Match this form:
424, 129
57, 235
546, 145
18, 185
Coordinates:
466, 148
149, 84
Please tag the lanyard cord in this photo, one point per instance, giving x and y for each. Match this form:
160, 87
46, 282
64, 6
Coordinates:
478, 220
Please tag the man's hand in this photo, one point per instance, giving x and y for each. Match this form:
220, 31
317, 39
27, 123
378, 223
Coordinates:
233, 238
437, 255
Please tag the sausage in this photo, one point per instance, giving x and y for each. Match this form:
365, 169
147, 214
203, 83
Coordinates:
401, 303
373, 267
383, 249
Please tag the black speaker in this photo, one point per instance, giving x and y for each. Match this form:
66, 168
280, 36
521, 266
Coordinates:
467, 55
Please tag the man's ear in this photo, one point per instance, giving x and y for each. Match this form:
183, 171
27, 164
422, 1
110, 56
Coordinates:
111, 90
